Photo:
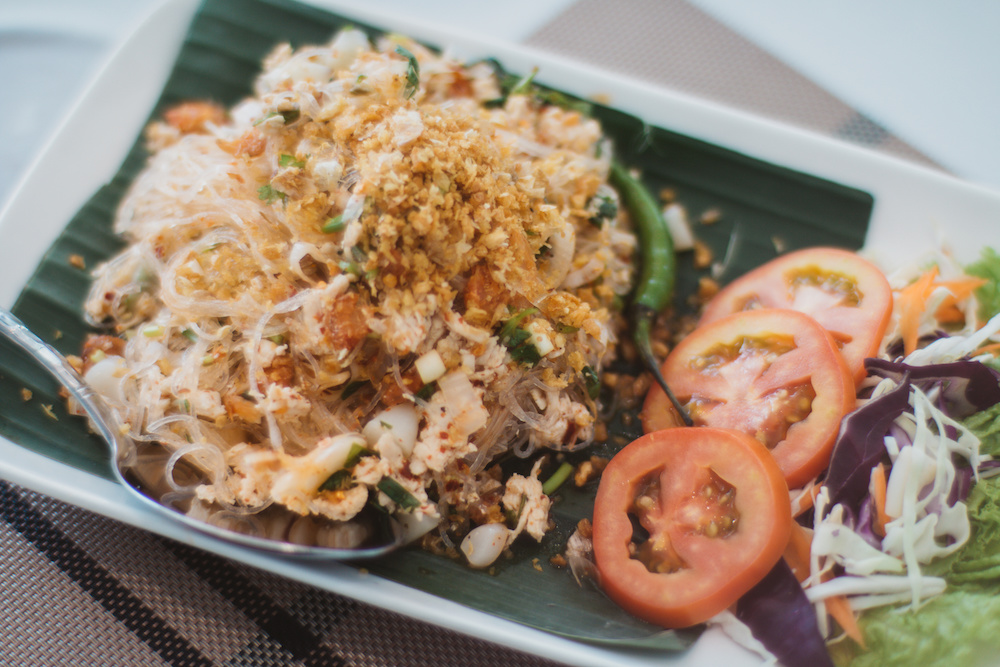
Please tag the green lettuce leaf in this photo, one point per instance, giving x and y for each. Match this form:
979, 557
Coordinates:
988, 267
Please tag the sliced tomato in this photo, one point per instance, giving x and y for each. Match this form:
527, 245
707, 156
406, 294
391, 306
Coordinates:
774, 374
846, 294
687, 520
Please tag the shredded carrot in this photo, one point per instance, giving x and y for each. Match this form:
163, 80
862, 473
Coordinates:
992, 348
960, 289
840, 609
912, 302
798, 551
878, 489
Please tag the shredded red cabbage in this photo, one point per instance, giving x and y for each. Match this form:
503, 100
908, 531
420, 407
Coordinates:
860, 446
780, 616
964, 387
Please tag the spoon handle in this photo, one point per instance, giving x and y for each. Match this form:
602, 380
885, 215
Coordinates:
104, 420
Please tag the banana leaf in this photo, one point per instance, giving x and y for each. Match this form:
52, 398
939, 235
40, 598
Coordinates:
765, 208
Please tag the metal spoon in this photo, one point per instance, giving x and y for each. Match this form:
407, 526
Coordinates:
108, 426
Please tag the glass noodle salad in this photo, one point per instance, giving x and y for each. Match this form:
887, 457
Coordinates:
362, 286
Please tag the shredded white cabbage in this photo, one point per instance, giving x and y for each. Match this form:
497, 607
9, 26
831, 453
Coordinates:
923, 449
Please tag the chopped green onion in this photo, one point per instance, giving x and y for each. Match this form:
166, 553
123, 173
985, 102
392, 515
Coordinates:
412, 70
512, 516
338, 481
334, 224
269, 194
277, 339
190, 335
208, 360
356, 453
425, 392
153, 331
557, 479
398, 494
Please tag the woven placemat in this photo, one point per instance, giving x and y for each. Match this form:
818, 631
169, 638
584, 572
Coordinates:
80, 589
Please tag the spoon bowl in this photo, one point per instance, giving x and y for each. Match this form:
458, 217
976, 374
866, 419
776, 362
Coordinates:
106, 423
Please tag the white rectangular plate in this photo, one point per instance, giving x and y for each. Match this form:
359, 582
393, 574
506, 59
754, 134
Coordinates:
914, 209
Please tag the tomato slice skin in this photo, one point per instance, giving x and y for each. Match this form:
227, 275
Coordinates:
718, 569
848, 295
744, 392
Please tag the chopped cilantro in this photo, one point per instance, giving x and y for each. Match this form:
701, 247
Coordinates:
524, 85
350, 267
412, 70
511, 84
592, 382
605, 209
286, 160
334, 224
517, 339
288, 116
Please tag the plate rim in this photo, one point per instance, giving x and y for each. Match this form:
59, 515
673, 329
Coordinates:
902, 191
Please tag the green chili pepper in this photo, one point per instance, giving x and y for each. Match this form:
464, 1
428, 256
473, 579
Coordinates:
655, 288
